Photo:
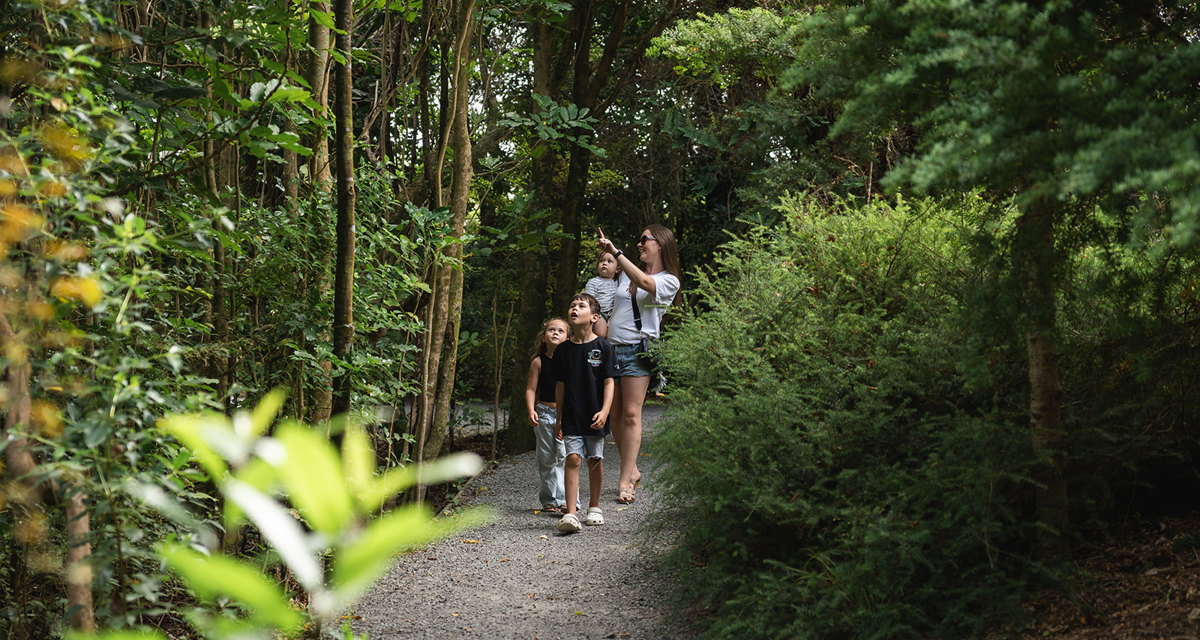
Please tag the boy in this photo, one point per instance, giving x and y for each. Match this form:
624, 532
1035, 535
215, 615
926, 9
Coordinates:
603, 287
584, 368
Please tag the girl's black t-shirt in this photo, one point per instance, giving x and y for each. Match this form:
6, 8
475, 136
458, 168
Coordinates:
546, 379
582, 368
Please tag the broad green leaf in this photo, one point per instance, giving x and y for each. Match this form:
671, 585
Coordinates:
264, 414
281, 530
458, 465
213, 576
323, 18
189, 430
357, 565
258, 474
359, 460
314, 478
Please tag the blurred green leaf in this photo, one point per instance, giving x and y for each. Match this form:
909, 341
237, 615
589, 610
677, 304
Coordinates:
281, 530
314, 478
213, 576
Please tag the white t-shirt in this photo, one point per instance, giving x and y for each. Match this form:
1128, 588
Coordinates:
621, 327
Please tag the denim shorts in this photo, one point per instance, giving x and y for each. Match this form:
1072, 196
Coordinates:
628, 362
585, 446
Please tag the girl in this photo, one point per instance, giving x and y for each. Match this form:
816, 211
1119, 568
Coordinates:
643, 296
539, 400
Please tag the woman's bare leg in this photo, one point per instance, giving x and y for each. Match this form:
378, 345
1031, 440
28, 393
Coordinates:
627, 428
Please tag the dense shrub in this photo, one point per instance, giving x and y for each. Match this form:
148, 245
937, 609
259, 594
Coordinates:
839, 477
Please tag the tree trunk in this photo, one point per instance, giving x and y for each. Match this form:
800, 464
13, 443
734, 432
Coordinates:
214, 180
78, 569
343, 286
461, 169
20, 464
316, 73
445, 309
1035, 250
590, 78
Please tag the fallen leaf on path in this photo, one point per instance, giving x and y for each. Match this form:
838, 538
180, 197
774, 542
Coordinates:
470, 541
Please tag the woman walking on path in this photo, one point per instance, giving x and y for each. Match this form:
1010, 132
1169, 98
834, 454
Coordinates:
656, 288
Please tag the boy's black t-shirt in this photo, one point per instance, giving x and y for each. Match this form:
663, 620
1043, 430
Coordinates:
582, 369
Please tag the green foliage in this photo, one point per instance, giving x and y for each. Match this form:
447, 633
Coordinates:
838, 476
1053, 100
262, 478
552, 122
758, 133
725, 46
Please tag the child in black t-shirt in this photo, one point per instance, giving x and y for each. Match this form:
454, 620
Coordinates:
584, 367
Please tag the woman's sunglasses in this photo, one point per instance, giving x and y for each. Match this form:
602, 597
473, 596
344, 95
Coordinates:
645, 239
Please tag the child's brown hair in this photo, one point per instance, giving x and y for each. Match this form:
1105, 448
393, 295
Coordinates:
593, 303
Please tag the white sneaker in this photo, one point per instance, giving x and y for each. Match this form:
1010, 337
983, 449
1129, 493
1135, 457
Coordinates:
569, 524
594, 517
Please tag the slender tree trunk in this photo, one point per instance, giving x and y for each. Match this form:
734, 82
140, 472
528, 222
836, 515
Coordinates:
461, 169
1035, 238
19, 405
213, 177
446, 304
20, 463
78, 569
343, 287
316, 73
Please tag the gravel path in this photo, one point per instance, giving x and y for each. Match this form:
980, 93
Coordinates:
519, 578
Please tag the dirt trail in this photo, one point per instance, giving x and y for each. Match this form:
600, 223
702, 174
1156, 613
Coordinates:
519, 578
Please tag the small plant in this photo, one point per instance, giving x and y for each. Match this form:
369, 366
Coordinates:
315, 508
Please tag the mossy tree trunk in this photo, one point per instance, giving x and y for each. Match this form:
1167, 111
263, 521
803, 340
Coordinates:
343, 284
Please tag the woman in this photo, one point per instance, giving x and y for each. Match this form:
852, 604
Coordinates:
656, 285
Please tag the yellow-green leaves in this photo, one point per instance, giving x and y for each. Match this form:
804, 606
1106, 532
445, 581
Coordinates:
310, 502
313, 476
214, 576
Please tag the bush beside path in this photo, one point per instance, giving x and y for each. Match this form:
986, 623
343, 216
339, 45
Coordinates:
517, 577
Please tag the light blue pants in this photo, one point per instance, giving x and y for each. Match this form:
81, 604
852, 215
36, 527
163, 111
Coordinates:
551, 454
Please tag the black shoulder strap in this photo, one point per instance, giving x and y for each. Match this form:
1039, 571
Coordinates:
637, 315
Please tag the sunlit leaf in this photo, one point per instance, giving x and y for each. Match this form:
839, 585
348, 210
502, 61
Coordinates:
314, 478
189, 430
357, 565
359, 460
213, 576
266, 410
281, 530
454, 466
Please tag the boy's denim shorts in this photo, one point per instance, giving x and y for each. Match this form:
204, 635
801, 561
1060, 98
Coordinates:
628, 363
589, 447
